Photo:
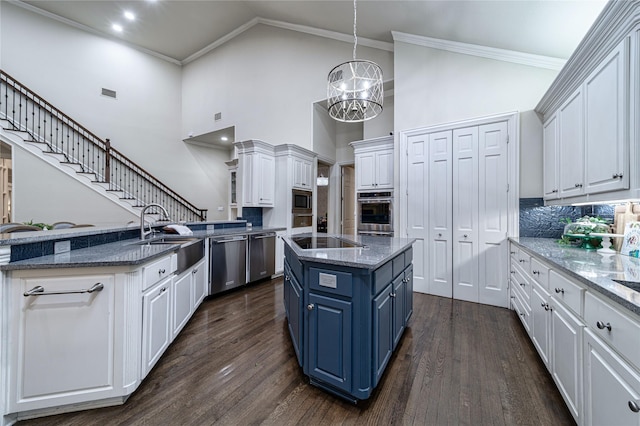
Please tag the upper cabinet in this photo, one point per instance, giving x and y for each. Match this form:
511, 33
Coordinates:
591, 149
255, 181
374, 163
302, 173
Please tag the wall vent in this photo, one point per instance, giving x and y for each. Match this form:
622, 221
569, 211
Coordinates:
217, 116
108, 92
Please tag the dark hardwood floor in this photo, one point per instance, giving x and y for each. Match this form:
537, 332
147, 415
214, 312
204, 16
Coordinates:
233, 364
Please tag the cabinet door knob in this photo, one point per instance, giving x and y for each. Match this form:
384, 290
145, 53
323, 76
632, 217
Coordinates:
392, 294
560, 290
578, 185
513, 272
535, 272
617, 176
521, 284
195, 271
310, 306
602, 325
512, 252
465, 235
161, 271
287, 278
439, 235
521, 260
634, 407
554, 191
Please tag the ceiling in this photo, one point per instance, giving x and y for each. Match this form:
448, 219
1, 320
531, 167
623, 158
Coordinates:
178, 29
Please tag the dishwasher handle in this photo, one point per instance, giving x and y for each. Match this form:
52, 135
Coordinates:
261, 236
230, 240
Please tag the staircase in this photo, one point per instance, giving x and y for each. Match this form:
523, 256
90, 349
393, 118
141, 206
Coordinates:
39, 127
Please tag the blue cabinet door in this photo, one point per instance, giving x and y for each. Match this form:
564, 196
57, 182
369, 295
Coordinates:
330, 340
408, 294
399, 297
382, 331
295, 312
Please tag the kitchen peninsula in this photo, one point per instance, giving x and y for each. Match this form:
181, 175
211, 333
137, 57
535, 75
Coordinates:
347, 300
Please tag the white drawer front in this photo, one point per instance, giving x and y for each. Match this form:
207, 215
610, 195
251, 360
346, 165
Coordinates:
522, 282
563, 289
540, 273
154, 272
522, 310
611, 325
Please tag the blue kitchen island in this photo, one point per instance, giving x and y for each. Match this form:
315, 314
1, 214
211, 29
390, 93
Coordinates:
347, 300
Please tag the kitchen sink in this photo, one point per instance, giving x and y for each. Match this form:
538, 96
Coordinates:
190, 252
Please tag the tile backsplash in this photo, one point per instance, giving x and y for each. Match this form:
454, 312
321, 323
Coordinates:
538, 220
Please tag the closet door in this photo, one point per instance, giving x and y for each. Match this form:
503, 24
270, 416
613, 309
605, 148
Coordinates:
492, 213
465, 214
417, 205
440, 214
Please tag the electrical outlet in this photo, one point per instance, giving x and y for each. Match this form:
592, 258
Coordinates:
61, 247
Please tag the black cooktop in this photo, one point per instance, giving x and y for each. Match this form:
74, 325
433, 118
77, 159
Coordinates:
323, 242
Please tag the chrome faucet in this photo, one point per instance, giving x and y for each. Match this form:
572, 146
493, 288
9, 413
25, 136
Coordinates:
143, 232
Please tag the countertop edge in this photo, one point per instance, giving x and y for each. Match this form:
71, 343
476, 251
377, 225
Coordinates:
584, 280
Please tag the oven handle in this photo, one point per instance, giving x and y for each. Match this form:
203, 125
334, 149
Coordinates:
377, 200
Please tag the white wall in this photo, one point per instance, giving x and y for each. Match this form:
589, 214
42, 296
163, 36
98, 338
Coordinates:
435, 87
324, 133
382, 125
264, 83
60, 191
531, 184
69, 67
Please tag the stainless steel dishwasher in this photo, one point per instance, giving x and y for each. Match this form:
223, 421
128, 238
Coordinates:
228, 263
262, 255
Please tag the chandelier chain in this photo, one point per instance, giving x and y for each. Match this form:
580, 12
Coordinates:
355, 37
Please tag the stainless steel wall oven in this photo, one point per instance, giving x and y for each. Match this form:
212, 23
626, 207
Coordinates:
301, 208
375, 213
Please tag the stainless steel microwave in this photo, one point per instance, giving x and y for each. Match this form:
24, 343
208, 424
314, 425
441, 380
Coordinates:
302, 200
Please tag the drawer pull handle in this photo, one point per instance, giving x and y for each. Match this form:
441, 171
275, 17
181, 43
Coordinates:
522, 284
392, 294
39, 291
634, 407
310, 307
535, 272
513, 252
163, 289
287, 278
602, 325
545, 306
161, 271
560, 290
521, 260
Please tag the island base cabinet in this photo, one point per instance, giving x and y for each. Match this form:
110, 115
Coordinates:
329, 327
295, 310
612, 387
63, 347
382, 331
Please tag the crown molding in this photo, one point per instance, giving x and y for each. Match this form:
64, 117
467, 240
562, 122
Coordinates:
292, 27
88, 29
616, 21
504, 55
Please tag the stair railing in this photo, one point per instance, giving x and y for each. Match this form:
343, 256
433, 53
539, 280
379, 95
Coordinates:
75, 145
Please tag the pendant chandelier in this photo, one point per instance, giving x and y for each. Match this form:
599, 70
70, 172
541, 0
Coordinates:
354, 89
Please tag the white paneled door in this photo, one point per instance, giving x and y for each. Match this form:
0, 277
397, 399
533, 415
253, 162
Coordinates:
465, 214
440, 219
417, 203
457, 209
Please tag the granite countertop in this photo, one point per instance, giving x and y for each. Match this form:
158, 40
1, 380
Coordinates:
376, 252
594, 269
119, 253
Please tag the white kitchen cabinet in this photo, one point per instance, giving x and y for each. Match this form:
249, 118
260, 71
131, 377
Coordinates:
566, 356
302, 173
571, 146
606, 123
199, 274
256, 169
156, 323
181, 301
550, 158
541, 322
65, 347
612, 386
280, 252
374, 163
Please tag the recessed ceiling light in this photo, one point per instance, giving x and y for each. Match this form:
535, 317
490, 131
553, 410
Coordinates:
129, 15
224, 139
117, 27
